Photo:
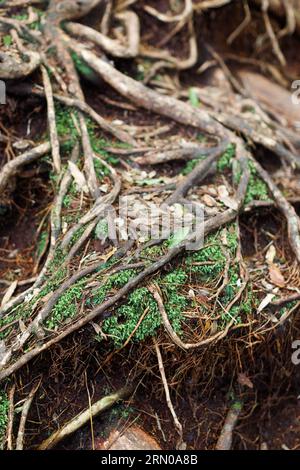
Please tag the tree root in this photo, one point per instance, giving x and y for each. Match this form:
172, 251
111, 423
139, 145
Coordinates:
81, 419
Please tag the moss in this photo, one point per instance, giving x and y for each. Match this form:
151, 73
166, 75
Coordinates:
67, 201
116, 281
55, 277
190, 165
101, 230
100, 170
65, 126
257, 188
84, 69
211, 257
283, 310
225, 160
153, 251
4, 408
193, 98
7, 40
23, 311
66, 306
122, 324
79, 232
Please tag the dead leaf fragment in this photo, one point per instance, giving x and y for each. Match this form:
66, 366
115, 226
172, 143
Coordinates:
276, 276
79, 177
208, 200
271, 253
268, 299
243, 379
9, 293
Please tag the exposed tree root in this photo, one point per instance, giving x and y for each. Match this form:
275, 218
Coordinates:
81, 419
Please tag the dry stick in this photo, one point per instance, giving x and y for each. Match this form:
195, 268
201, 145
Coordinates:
25, 411
285, 207
10, 418
271, 34
197, 174
186, 13
284, 300
12, 167
167, 392
53, 33
147, 98
51, 121
82, 418
186, 151
102, 123
225, 438
175, 338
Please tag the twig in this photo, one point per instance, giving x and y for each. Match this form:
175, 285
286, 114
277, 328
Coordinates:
225, 438
10, 418
196, 175
51, 121
12, 167
167, 392
24, 414
82, 418
271, 34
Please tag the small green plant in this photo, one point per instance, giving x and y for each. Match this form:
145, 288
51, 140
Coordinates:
100, 169
193, 98
115, 281
101, 230
257, 188
66, 306
4, 407
85, 69
7, 40
42, 242
66, 128
225, 160
55, 277
67, 201
121, 325
190, 165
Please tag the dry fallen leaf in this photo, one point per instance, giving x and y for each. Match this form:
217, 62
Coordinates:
208, 200
266, 301
270, 255
275, 275
244, 380
79, 177
9, 293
